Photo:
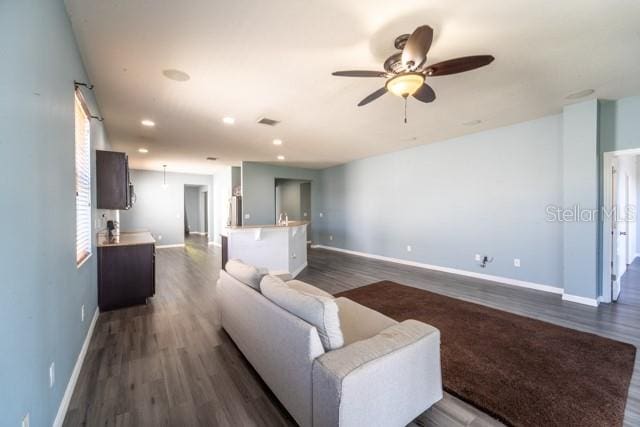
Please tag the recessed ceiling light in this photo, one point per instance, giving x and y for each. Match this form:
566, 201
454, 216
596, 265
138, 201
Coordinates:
581, 94
281, 157
277, 142
176, 75
143, 150
148, 123
228, 120
472, 123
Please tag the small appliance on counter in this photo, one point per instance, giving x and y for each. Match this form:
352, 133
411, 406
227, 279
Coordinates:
111, 227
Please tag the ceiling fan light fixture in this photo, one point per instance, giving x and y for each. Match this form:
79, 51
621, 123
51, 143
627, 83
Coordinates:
405, 84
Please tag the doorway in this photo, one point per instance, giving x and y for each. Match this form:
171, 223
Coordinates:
293, 201
196, 210
620, 170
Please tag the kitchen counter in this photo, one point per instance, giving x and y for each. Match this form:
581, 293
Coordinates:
289, 225
126, 239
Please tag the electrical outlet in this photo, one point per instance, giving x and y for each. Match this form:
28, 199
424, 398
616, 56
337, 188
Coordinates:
52, 374
409, 249
25, 420
516, 262
478, 257
159, 236
304, 214
331, 237
247, 216
82, 313
320, 214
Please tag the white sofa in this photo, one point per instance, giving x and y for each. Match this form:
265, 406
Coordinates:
380, 373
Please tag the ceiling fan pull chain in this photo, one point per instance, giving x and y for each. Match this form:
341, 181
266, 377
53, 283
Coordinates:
405, 110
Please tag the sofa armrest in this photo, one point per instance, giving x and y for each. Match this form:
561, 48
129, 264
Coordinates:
388, 379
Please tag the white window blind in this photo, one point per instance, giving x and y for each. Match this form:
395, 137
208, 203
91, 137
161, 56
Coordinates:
83, 180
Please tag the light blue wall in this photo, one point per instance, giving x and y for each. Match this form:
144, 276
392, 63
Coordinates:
161, 210
580, 188
258, 190
42, 290
484, 193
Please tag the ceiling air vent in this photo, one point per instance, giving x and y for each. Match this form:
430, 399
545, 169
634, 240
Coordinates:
213, 159
267, 121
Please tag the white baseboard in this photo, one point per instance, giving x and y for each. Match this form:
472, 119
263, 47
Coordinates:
593, 302
71, 385
200, 233
214, 243
499, 279
177, 245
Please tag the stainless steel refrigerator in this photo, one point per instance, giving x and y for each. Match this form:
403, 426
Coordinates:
235, 211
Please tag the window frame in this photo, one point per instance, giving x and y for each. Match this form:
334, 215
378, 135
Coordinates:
83, 253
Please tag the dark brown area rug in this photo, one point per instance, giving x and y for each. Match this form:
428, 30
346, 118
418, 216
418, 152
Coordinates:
522, 371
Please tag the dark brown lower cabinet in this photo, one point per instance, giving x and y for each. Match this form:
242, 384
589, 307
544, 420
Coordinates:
126, 275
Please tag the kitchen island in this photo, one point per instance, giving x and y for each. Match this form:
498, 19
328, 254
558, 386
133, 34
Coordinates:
278, 248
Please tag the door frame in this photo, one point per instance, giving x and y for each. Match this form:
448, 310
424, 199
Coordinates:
607, 227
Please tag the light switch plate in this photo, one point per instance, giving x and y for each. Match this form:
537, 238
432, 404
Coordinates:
330, 237
409, 248
247, 216
82, 313
320, 214
478, 257
25, 421
516, 262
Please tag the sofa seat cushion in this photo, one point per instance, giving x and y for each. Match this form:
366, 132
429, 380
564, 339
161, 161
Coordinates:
245, 273
318, 310
359, 322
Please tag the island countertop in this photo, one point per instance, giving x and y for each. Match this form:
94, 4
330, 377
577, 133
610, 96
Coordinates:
126, 239
291, 224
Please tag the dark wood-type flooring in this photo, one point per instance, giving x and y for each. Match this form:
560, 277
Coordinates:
169, 362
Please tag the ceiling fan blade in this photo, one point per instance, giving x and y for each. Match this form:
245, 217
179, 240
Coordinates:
458, 65
415, 51
375, 95
359, 73
425, 94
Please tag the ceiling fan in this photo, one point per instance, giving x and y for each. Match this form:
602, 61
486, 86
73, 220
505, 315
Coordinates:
406, 70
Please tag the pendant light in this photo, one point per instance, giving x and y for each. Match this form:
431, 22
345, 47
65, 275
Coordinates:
164, 177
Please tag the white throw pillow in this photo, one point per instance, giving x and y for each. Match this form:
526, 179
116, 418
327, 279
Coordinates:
245, 273
318, 310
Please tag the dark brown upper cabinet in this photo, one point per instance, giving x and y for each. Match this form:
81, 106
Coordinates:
112, 180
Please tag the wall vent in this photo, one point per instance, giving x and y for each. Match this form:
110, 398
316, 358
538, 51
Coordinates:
213, 159
267, 121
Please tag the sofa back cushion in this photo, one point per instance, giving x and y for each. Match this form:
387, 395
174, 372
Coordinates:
317, 310
245, 273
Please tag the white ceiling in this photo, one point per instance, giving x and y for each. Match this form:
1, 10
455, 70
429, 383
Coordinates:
254, 58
